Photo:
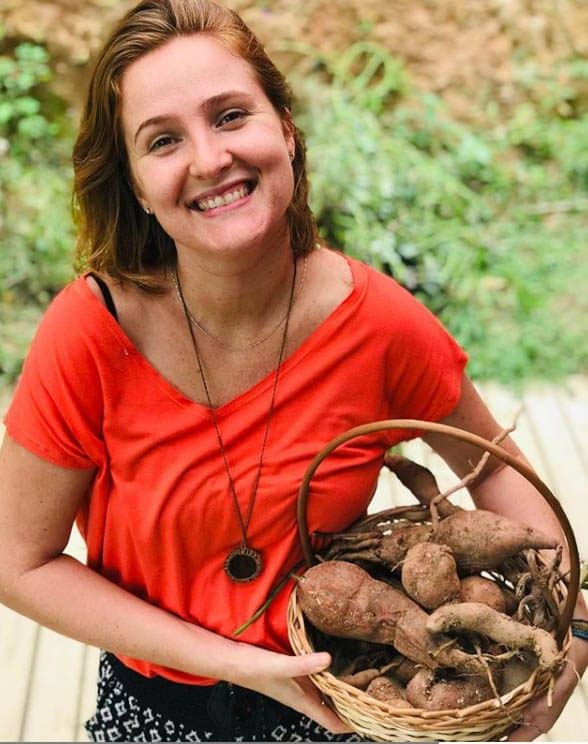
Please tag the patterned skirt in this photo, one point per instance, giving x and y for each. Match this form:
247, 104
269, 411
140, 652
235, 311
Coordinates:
131, 707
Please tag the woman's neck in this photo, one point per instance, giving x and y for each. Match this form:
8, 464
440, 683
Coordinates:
236, 302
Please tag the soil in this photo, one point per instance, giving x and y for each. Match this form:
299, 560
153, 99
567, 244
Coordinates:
468, 51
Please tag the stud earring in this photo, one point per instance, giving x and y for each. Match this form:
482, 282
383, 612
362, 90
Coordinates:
147, 210
292, 157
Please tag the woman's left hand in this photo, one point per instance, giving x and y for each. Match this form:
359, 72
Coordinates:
539, 717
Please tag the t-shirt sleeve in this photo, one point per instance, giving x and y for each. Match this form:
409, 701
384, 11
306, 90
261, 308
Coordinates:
425, 364
56, 411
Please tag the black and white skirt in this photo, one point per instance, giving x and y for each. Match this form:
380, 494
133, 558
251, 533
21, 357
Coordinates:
132, 707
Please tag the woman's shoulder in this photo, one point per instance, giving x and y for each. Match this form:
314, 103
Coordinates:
75, 322
384, 297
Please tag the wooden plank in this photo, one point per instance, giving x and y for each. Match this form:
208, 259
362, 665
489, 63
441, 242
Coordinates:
17, 654
565, 467
51, 712
508, 407
572, 399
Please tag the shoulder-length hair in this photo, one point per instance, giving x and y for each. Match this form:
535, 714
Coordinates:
115, 236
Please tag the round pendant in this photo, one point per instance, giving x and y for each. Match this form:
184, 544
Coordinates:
243, 564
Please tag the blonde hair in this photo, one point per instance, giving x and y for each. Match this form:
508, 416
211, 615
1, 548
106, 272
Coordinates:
115, 236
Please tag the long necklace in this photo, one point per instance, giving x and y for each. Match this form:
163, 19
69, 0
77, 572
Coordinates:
258, 341
243, 563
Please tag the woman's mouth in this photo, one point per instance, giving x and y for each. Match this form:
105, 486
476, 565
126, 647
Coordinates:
230, 196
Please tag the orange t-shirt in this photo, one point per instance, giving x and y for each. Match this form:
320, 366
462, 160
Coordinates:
159, 520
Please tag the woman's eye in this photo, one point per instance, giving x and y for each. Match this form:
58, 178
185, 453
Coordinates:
160, 142
230, 116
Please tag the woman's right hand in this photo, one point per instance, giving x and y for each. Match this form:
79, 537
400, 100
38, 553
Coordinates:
285, 679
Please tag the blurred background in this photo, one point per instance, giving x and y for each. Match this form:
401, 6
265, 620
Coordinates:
448, 146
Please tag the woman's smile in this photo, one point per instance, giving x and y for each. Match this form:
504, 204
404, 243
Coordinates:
213, 202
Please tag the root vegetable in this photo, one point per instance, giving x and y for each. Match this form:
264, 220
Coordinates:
419, 481
429, 575
479, 589
389, 550
362, 679
479, 618
387, 690
341, 599
405, 669
426, 691
481, 540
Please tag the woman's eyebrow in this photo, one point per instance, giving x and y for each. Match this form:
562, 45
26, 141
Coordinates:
210, 103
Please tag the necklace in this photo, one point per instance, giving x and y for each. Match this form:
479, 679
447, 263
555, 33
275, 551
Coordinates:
257, 342
243, 563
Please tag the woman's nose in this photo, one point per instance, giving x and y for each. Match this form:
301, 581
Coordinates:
209, 157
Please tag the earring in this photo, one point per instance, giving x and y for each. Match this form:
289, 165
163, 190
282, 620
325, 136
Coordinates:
292, 155
147, 210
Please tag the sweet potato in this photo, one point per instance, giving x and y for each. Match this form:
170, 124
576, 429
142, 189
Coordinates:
479, 589
362, 679
479, 618
419, 480
388, 691
404, 669
427, 691
374, 547
429, 575
480, 540
341, 599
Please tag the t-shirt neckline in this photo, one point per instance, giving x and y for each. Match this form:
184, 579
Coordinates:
342, 310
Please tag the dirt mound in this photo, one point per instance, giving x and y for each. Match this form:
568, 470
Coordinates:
465, 51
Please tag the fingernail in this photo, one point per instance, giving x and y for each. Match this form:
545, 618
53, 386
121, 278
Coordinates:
322, 660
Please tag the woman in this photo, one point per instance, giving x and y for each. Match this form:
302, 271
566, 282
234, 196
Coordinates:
175, 395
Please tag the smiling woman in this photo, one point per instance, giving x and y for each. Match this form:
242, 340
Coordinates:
175, 394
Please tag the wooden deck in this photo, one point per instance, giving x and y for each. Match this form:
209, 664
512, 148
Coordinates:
47, 682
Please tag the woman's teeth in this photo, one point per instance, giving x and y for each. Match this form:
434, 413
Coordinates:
214, 202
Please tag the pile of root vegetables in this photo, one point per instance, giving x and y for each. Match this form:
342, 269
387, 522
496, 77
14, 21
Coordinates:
437, 613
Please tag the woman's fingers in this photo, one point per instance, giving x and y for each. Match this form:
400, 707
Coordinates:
285, 679
319, 711
309, 663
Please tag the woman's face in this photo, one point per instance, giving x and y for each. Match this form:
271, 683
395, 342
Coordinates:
208, 153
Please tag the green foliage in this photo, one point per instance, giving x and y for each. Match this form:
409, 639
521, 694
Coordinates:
36, 233
35, 226
484, 225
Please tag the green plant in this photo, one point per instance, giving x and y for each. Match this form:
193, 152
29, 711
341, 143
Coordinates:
35, 225
483, 224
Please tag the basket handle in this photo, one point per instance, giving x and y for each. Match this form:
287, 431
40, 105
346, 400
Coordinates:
464, 436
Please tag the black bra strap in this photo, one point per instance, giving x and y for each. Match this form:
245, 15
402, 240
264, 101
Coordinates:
108, 301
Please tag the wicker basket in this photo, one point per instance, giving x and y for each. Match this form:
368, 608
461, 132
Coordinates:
379, 721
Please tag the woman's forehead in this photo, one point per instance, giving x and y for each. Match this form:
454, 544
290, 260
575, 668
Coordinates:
196, 67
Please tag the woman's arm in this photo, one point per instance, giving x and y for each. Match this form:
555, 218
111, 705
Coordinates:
38, 503
502, 489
